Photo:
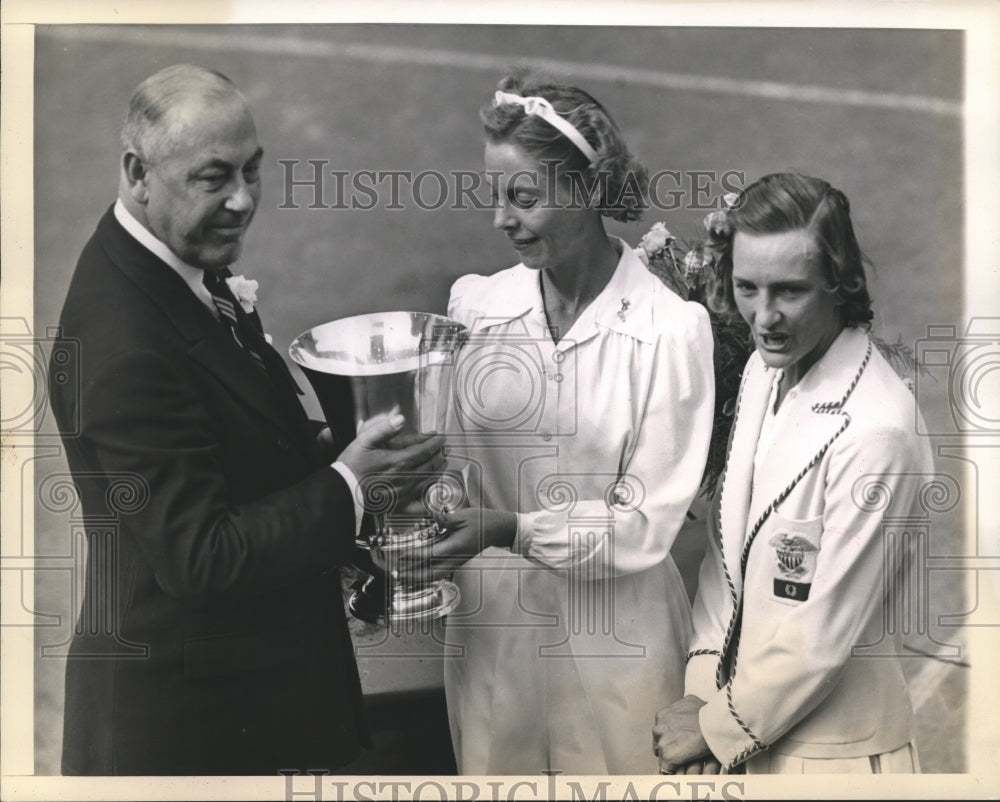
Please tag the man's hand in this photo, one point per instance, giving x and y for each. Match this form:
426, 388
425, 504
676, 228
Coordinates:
470, 531
678, 742
403, 462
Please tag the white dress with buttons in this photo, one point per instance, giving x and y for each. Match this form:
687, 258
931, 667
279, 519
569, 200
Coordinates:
566, 645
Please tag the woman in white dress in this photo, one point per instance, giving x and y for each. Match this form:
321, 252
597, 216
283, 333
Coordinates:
582, 421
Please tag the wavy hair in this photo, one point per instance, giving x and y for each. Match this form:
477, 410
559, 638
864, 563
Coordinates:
145, 127
783, 202
617, 178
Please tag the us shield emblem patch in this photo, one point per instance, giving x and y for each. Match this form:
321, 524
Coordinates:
795, 566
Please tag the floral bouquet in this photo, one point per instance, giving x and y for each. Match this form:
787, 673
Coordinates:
688, 269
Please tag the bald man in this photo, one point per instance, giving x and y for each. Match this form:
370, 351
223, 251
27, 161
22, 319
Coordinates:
212, 637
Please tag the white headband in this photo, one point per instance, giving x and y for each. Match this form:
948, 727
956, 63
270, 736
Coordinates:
540, 107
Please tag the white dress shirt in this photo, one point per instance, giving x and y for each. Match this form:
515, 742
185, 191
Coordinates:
192, 276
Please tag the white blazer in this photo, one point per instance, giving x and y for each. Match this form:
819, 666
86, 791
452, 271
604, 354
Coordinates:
799, 549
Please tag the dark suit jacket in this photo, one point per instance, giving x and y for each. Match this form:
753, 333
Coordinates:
212, 638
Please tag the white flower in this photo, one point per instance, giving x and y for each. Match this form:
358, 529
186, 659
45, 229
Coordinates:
692, 263
643, 256
268, 338
717, 223
244, 290
731, 199
656, 239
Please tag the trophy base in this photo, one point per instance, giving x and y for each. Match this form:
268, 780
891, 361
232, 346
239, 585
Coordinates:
368, 602
429, 602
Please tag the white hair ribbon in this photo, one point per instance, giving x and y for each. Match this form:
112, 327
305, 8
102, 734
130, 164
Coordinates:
540, 107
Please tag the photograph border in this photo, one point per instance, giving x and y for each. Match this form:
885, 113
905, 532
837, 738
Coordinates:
980, 22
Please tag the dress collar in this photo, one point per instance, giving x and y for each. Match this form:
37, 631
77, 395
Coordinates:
624, 305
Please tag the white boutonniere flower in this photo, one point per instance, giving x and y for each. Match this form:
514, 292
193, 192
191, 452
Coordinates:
244, 290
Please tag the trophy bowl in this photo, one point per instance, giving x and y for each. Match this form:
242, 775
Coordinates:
365, 365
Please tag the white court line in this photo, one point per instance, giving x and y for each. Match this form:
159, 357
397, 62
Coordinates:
456, 59
924, 684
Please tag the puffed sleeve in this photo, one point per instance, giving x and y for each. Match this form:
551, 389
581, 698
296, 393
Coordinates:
659, 474
780, 683
462, 299
463, 308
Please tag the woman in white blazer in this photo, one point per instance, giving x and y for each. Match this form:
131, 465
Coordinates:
794, 576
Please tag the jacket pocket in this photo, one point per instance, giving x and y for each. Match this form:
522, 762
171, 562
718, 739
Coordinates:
218, 655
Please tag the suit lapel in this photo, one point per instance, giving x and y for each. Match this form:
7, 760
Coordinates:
251, 332
208, 342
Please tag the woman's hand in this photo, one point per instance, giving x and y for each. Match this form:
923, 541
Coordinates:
469, 532
678, 742
707, 766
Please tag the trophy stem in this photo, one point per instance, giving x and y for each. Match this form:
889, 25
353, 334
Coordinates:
420, 597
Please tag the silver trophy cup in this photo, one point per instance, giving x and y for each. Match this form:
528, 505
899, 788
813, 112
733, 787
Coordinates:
360, 367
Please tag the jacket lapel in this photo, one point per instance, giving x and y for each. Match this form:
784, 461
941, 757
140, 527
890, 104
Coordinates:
208, 342
817, 419
252, 333
747, 500
737, 480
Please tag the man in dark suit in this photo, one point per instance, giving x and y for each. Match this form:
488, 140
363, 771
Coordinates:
212, 638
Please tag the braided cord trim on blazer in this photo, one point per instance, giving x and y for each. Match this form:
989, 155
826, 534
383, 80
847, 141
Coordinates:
719, 679
829, 408
758, 745
699, 652
743, 756
784, 494
850, 389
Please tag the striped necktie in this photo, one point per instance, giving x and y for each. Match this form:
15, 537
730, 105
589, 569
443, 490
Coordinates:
225, 304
